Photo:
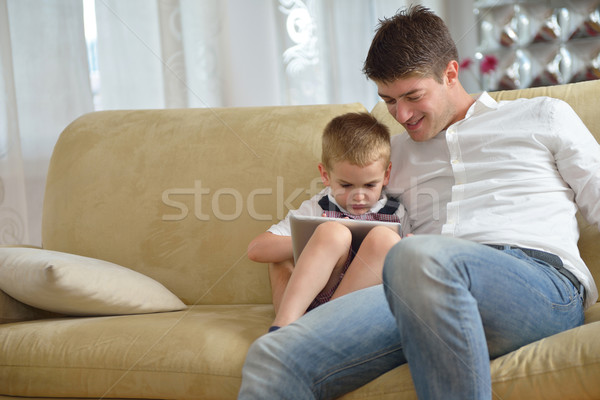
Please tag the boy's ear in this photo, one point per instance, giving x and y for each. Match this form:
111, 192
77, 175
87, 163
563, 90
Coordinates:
324, 175
386, 176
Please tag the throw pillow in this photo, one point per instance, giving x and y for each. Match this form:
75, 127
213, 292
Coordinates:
80, 286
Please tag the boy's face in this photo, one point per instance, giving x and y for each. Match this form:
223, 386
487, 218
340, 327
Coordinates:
356, 188
422, 105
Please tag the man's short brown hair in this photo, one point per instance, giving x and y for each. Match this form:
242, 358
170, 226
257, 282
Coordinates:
414, 42
357, 138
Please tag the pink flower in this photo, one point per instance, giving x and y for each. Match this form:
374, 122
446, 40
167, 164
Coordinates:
465, 64
488, 64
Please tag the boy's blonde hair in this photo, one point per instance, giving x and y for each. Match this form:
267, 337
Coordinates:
357, 138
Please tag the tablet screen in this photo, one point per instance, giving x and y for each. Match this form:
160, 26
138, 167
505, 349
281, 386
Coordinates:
302, 228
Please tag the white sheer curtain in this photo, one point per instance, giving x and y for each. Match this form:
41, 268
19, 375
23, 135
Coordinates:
45, 86
13, 215
170, 54
210, 53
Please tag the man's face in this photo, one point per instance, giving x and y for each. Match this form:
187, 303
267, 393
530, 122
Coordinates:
422, 105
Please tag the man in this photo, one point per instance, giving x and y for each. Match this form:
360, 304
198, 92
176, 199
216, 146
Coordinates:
491, 190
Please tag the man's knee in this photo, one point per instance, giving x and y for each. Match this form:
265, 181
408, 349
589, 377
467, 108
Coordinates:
418, 257
404, 254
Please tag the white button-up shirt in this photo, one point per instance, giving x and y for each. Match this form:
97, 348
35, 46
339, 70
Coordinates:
513, 172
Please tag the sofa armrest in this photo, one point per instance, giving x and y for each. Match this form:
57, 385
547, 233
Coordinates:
12, 310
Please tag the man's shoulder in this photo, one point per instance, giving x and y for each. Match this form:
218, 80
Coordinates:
532, 102
540, 108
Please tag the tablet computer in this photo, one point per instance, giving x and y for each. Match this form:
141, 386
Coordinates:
302, 228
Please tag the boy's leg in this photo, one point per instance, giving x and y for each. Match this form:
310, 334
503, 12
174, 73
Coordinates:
457, 303
367, 265
279, 276
325, 252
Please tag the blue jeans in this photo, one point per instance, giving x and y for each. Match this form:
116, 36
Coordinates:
446, 307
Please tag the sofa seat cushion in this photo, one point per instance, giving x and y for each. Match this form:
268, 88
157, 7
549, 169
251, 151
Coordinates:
199, 353
191, 354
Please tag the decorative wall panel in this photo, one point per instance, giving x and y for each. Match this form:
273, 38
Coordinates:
537, 43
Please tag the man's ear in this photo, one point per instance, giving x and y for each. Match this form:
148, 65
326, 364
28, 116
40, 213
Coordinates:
386, 176
451, 73
324, 175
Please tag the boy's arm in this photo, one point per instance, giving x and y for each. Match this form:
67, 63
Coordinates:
270, 248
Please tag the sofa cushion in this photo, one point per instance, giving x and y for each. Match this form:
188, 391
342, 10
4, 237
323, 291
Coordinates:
75, 285
193, 354
199, 353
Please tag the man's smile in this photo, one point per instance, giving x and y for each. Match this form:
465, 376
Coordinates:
414, 124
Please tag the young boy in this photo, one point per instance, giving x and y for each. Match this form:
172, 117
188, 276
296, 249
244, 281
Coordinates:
355, 168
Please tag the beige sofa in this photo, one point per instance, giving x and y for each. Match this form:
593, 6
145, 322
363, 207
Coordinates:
177, 195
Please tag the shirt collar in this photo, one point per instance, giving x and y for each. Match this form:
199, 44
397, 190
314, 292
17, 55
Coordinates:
483, 103
376, 207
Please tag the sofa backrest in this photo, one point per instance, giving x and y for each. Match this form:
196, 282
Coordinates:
584, 97
178, 194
